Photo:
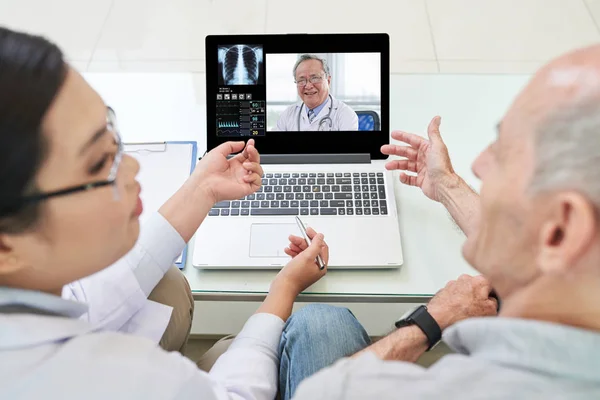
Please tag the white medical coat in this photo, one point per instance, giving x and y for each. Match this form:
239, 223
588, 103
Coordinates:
343, 118
117, 297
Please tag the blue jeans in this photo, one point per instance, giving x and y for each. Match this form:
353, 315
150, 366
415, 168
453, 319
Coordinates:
313, 338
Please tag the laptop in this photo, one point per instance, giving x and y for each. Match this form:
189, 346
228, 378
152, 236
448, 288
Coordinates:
318, 109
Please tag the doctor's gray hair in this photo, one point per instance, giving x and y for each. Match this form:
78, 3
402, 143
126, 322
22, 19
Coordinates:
306, 57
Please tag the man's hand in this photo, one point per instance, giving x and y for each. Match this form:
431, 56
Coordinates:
303, 270
463, 298
429, 159
230, 179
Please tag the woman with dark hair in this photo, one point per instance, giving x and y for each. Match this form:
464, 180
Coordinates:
69, 207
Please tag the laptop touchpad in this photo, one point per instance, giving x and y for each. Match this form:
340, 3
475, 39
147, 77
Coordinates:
269, 240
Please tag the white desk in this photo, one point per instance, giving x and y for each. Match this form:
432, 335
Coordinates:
158, 107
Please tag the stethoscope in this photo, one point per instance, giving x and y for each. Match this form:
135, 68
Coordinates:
322, 121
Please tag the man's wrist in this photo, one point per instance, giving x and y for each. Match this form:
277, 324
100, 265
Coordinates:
405, 344
449, 184
413, 333
441, 316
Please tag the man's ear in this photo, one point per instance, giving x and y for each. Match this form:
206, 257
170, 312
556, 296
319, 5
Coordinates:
9, 262
568, 230
329, 80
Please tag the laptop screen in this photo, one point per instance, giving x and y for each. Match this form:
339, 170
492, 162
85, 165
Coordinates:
273, 85
259, 92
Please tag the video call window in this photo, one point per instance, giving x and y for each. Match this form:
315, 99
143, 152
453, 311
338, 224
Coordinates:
354, 84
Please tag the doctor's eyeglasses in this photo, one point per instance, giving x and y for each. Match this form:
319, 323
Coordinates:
111, 127
313, 79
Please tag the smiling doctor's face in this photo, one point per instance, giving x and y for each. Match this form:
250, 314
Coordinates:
312, 83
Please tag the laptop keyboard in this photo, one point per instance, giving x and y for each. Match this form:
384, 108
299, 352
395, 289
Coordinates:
348, 194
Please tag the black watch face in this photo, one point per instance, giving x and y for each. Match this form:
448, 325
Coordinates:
407, 319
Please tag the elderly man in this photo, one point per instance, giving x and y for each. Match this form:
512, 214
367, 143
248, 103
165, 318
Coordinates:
318, 110
533, 232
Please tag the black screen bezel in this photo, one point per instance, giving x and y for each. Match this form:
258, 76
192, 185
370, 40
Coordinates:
314, 142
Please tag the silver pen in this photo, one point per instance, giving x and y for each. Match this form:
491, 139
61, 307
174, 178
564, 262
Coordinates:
308, 242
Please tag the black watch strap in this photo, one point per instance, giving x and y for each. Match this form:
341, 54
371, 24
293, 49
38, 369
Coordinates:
426, 322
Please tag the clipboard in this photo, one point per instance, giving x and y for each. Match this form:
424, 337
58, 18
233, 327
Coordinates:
164, 167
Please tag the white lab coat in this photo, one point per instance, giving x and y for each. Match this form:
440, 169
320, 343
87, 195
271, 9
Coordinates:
343, 117
47, 351
117, 297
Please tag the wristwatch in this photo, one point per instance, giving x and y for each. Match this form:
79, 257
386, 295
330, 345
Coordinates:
421, 318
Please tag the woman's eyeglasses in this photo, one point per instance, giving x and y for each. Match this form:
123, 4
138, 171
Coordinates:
111, 126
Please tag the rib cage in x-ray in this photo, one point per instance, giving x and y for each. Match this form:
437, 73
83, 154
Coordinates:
240, 64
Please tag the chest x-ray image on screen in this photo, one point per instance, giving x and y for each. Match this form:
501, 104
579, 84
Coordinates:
241, 64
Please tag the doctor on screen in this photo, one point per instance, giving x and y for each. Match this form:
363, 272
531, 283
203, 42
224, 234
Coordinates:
318, 110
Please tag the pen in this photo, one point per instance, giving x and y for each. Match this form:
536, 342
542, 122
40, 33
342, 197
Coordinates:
303, 230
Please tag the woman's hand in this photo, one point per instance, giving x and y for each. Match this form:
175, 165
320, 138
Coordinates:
303, 270
230, 179
297, 275
215, 178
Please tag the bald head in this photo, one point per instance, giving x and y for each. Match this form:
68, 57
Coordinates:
556, 119
570, 80
561, 105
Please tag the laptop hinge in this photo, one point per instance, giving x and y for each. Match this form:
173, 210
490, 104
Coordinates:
358, 158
